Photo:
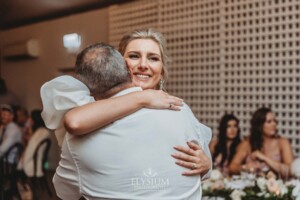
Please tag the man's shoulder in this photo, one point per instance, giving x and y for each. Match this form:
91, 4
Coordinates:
204, 127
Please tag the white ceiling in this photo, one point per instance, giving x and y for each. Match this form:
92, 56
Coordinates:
14, 13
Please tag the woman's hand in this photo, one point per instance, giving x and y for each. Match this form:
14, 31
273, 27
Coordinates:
193, 158
158, 99
258, 155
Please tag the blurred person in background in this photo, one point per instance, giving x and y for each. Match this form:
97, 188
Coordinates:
264, 150
10, 132
39, 133
6, 96
223, 148
24, 122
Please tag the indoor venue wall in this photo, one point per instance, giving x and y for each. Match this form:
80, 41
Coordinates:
229, 56
225, 55
25, 76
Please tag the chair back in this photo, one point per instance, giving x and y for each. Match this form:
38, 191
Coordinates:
8, 168
10, 159
46, 143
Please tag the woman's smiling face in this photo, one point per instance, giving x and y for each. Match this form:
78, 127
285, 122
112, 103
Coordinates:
143, 58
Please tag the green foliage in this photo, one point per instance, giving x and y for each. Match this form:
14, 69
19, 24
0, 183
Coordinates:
225, 193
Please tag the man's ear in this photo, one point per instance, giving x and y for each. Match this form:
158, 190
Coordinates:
129, 72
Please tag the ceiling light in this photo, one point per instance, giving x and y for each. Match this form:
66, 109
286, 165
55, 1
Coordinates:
72, 42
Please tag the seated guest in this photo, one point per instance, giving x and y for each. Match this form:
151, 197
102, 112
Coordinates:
264, 150
40, 132
23, 121
10, 133
223, 148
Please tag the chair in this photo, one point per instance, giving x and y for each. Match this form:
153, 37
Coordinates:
41, 181
8, 171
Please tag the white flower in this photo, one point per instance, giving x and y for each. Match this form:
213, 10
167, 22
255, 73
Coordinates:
267, 195
251, 176
206, 185
292, 183
283, 190
276, 186
272, 185
215, 175
226, 183
262, 183
261, 194
217, 185
237, 195
295, 167
296, 191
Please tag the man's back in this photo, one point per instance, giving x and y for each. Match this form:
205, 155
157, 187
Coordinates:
131, 158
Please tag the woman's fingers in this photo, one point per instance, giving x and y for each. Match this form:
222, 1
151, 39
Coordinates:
195, 169
193, 149
174, 103
185, 150
157, 99
193, 144
193, 158
184, 157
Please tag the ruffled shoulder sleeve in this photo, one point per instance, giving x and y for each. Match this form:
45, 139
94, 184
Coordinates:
59, 96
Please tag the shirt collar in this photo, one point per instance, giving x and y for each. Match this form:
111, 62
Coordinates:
127, 91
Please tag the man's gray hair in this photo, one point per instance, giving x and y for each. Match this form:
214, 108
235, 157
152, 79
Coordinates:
101, 68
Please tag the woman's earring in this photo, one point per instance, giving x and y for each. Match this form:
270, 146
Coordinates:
161, 84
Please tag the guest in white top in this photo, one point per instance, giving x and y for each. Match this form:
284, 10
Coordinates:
129, 159
40, 132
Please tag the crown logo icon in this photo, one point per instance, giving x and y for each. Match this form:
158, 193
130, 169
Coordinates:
150, 173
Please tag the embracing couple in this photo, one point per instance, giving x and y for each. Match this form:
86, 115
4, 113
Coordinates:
121, 137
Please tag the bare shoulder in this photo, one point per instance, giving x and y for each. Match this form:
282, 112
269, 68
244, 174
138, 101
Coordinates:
213, 144
245, 142
283, 142
214, 141
244, 145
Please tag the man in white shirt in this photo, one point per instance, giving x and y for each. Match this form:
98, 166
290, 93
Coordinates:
130, 158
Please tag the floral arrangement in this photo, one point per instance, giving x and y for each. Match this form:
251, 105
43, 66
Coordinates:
249, 187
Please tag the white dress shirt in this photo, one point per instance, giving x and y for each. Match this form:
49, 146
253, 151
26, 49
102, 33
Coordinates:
131, 158
59, 95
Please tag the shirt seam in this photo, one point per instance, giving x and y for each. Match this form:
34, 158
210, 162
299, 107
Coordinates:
77, 168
